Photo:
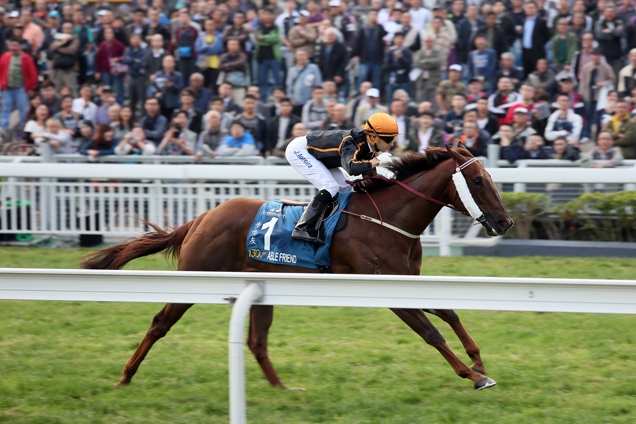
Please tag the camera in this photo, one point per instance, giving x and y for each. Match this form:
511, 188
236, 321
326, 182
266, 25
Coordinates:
175, 130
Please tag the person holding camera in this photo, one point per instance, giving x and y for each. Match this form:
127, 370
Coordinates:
178, 140
135, 143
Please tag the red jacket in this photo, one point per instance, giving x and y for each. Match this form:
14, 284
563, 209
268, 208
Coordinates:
29, 71
102, 64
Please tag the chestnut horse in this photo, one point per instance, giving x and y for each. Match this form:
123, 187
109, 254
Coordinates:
216, 241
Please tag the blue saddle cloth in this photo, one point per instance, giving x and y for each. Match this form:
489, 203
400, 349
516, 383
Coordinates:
269, 239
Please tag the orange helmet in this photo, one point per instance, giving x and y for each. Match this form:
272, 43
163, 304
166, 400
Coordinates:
382, 125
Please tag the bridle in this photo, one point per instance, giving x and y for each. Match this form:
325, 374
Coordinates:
462, 191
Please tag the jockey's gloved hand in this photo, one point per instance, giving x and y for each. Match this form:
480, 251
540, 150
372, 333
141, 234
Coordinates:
385, 159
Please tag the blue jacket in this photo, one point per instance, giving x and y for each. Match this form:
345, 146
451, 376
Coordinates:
487, 62
102, 152
154, 128
134, 59
170, 94
204, 95
300, 84
204, 49
247, 139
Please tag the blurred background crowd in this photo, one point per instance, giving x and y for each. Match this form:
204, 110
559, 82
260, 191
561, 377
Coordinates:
547, 79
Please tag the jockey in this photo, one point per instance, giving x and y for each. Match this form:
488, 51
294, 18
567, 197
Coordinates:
319, 155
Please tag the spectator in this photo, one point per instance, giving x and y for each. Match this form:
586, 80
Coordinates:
226, 118
254, 123
564, 122
486, 120
102, 144
411, 34
237, 30
609, 33
448, 88
84, 135
506, 23
410, 105
521, 126
605, 114
124, 122
203, 95
18, 78
332, 58
234, 65
225, 93
239, 143
623, 130
135, 143
500, 101
186, 41
195, 116
37, 125
281, 125
59, 141
467, 29
595, 75
302, 36
299, 130
108, 21
397, 110
475, 92
431, 62
454, 117
34, 102
543, 77
134, 57
315, 110
152, 63
373, 106
70, 120
343, 23
507, 69
562, 12
564, 44
535, 35
527, 102
578, 24
495, 38
32, 32
471, 116
567, 87
421, 16
154, 124
397, 64
154, 27
166, 86
17, 32
358, 100
65, 52
210, 139
424, 136
302, 78
209, 47
178, 140
267, 51
482, 63
137, 24
627, 76
530, 149
331, 91
50, 96
108, 63
369, 50
563, 150
472, 139
583, 56
442, 35
84, 104
580, 8
605, 151
337, 119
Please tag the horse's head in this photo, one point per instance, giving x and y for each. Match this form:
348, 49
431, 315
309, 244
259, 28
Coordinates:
481, 193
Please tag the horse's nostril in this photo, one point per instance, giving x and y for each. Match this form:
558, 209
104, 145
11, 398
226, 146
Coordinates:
504, 223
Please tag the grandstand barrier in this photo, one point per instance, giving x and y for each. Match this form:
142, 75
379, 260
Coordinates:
63, 199
374, 291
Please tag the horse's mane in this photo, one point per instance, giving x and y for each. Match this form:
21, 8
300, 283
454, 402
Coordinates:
410, 164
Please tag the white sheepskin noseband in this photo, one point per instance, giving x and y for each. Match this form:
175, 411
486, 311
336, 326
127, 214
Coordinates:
464, 192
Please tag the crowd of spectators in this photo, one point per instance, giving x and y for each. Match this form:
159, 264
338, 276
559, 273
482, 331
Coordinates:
543, 79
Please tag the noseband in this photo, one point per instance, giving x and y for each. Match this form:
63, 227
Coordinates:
462, 191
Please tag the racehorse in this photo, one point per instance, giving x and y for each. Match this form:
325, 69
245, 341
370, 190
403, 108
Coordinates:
216, 241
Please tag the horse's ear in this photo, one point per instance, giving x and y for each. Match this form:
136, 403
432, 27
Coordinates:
455, 155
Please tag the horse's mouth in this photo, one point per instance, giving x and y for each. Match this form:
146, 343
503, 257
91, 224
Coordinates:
500, 228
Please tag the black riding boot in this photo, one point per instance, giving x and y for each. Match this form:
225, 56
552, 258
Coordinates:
308, 226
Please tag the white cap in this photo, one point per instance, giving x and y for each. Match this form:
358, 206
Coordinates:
521, 110
101, 12
455, 67
372, 92
14, 14
305, 13
334, 3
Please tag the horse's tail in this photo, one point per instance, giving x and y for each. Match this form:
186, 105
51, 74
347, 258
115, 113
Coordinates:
118, 255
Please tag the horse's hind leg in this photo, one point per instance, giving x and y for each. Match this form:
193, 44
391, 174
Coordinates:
161, 324
418, 322
261, 317
451, 318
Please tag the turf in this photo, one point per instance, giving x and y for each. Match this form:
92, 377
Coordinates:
58, 360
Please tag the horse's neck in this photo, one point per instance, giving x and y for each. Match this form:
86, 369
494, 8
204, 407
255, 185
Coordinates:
409, 212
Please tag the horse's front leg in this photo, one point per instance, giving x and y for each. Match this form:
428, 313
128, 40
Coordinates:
418, 322
451, 318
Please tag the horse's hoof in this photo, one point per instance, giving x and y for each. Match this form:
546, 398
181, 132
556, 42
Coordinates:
120, 384
296, 388
478, 370
484, 383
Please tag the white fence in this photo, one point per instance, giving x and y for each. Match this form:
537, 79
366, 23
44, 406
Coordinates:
377, 291
71, 199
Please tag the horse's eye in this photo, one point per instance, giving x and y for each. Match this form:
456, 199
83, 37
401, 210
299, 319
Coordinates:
477, 181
